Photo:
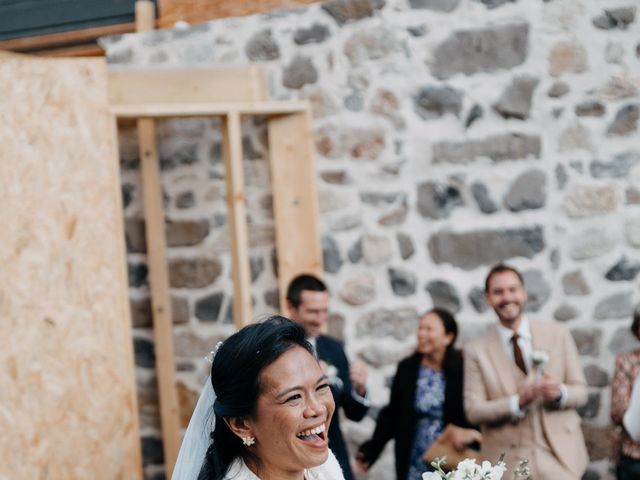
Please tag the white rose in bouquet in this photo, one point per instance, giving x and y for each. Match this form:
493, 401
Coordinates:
468, 469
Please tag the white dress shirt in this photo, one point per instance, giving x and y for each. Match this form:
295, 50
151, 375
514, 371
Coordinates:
525, 342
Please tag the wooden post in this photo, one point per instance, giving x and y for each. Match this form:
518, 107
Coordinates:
236, 202
295, 200
158, 271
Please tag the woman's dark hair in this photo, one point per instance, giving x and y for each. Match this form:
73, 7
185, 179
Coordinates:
450, 326
235, 376
635, 325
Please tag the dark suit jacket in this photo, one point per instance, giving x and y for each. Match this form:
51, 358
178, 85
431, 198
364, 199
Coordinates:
330, 351
398, 419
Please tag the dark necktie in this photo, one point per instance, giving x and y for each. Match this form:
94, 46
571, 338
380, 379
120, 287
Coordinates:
517, 354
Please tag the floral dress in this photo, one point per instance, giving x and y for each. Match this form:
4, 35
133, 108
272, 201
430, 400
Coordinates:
429, 410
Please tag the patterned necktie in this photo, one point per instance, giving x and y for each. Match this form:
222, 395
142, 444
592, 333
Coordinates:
517, 354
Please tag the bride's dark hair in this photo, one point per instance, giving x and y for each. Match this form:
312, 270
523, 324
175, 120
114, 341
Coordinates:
235, 376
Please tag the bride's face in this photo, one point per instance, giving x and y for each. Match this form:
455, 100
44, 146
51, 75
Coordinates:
292, 415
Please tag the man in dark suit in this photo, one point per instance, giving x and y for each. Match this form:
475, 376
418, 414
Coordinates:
308, 303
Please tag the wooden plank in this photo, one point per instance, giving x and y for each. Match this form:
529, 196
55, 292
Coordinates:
295, 199
197, 11
158, 272
236, 202
170, 87
54, 40
67, 390
208, 109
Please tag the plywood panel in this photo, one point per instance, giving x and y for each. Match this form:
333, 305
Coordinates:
197, 11
295, 201
67, 402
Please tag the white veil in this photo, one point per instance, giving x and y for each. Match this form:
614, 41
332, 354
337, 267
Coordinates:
197, 438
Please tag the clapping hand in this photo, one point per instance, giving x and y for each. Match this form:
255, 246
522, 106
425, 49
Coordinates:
549, 388
465, 436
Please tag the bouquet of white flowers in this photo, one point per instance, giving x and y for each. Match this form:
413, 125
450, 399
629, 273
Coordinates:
468, 469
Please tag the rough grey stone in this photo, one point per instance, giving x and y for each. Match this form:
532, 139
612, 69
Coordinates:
587, 341
614, 53
399, 323
567, 57
623, 341
354, 254
632, 231
405, 245
344, 11
377, 199
515, 101
437, 200
316, 33
344, 222
194, 272
370, 44
435, 101
527, 192
396, 215
354, 102
137, 275
615, 18
591, 408
626, 121
185, 200
379, 356
469, 250
477, 299
144, 352
588, 201
403, 282
141, 316
376, 249
135, 236
483, 198
444, 295
481, 50
152, 450
190, 345
208, 308
618, 88
437, 5
538, 290
474, 114
575, 137
299, 72
591, 242
262, 47
272, 299
418, 30
555, 258
335, 326
508, 146
558, 89
338, 141
623, 270
495, 3
336, 177
617, 305
186, 233
574, 283
632, 196
561, 176
331, 257
127, 194
359, 290
596, 377
618, 167
590, 108
565, 312
256, 265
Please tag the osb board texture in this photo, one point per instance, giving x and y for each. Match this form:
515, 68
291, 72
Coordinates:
198, 11
67, 403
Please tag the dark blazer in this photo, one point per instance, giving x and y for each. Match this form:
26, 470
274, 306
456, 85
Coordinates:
331, 352
398, 419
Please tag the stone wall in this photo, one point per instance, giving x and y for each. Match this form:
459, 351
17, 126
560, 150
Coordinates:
450, 134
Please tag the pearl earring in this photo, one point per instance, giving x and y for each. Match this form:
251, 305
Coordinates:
248, 441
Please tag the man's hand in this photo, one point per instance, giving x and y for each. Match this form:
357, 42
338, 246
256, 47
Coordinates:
358, 375
528, 393
465, 436
549, 388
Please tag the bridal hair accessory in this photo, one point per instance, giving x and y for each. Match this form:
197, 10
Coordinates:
212, 354
248, 441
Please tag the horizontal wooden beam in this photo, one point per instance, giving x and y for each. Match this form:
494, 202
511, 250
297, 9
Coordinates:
209, 109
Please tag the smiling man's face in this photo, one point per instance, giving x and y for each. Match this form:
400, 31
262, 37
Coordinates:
507, 296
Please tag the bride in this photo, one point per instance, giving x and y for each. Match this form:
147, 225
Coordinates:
264, 414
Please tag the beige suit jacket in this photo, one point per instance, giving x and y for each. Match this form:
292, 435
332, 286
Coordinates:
490, 380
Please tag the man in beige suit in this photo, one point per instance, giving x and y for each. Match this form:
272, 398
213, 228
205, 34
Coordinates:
522, 383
